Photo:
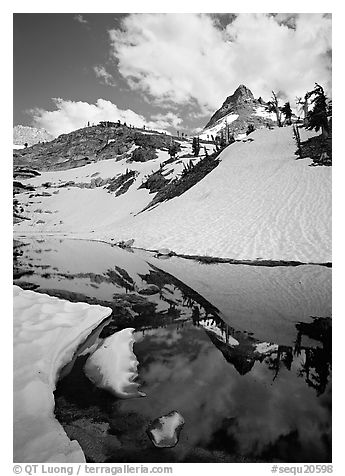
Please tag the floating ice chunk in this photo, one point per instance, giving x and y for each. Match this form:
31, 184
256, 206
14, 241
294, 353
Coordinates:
164, 431
113, 366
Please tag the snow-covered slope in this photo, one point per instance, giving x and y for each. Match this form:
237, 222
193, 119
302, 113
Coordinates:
259, 203
213, 130
73, 209
47, 332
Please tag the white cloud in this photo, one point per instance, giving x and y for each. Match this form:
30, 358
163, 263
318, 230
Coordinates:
103, 74
167, 120
196, 130
184, 57
71, 115
79, 18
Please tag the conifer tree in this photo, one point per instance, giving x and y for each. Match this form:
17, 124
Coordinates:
196, 146
173, 149
287, 111
318, 116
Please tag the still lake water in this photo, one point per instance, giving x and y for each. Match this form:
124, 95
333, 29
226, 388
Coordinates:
242, 352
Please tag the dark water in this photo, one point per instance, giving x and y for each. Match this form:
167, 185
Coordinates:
243, 353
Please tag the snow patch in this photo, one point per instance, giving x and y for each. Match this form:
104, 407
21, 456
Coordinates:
261, 111
221, 124
47, 332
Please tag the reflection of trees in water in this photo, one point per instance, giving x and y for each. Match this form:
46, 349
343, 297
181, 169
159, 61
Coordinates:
121, 278
189, 297
18, 269
284, 356
316, 367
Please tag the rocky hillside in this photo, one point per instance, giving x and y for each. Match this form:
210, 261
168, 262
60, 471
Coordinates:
237, 112
257, 200
30, 135
92, 144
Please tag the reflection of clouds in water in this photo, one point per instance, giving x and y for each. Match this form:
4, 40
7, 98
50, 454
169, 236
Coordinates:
161, 372
267, 410
162, 335
206, 390
182, 370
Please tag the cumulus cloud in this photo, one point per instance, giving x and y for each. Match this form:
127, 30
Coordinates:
167, 120
184, 57
71, 115
79, 18
103, 75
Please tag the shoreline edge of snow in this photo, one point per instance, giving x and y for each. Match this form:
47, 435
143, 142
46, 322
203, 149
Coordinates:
47, 332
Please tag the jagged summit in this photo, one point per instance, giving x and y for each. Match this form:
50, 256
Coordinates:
238, 110
242, 94
242, 97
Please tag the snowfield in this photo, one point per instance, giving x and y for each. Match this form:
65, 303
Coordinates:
262, 112
259, 203
47, 332
220, 124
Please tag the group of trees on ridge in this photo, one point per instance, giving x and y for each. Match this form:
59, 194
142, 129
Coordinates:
316, 118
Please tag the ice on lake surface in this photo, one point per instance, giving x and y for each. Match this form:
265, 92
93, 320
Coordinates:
242, 352
165, 430
113, 366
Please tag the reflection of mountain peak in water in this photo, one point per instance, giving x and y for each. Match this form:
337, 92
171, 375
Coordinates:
243, 351
239, 352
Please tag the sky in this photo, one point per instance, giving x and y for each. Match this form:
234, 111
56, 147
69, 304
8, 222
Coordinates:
167, 71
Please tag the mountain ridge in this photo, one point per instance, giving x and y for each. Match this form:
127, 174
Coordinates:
241, 97
30, 135
236, 113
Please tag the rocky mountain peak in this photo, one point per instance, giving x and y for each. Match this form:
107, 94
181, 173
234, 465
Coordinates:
241, 94
241, 98
238, 111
